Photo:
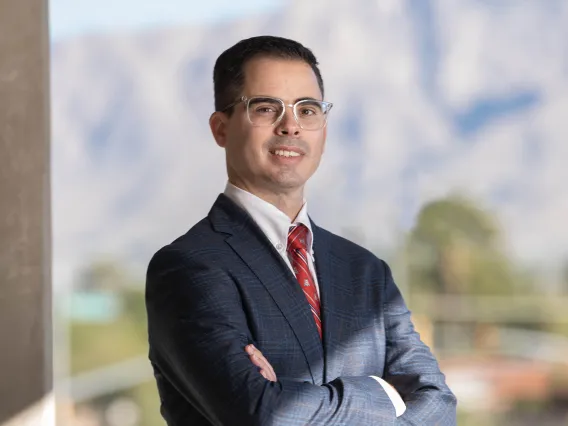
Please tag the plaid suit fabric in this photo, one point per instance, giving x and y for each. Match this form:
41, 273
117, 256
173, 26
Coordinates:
222, 285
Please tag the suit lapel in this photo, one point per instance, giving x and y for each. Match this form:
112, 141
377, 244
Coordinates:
252, 246
336, 302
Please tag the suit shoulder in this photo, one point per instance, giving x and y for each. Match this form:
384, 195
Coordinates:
200, 242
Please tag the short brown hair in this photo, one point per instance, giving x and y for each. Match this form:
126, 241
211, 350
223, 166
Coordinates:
228, 73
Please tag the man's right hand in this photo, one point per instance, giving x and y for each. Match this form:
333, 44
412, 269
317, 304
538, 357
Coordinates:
261, 362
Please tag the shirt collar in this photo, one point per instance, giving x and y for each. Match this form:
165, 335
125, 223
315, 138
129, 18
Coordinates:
273, 222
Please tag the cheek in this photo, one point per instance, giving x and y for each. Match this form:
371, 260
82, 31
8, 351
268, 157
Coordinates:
256, 138
248, 145
316, 154
318, 148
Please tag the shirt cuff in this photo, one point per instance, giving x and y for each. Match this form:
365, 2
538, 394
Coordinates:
399, 405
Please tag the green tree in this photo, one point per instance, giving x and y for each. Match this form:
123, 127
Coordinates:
455, 248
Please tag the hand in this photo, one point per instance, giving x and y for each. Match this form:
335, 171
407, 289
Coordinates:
260, 361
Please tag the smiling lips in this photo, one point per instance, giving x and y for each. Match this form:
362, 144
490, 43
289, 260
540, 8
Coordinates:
287, 153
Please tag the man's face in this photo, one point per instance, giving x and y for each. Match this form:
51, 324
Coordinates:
254, 153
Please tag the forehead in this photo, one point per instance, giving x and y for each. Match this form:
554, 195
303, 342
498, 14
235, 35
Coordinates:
287, 79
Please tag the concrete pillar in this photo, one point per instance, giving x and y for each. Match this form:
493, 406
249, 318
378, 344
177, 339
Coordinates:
25, 286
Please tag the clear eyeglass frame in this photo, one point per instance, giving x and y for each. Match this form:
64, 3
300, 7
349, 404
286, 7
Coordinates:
326, 107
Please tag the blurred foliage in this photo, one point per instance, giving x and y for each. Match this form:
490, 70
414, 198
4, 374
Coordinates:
456, 248
454, 260
465, 418
146, 395
95, 345
105, 275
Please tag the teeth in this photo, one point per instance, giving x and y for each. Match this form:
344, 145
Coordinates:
283, 153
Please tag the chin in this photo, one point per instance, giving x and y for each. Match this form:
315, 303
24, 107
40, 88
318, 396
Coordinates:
286, 182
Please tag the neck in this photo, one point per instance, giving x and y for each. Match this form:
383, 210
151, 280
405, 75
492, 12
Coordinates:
289, 202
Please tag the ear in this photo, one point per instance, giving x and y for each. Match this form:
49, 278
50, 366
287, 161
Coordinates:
218, 125
324, 139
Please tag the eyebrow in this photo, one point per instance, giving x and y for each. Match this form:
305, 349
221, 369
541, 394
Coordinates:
306, 98
303, 98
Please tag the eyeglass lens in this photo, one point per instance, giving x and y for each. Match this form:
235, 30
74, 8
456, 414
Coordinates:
265, 111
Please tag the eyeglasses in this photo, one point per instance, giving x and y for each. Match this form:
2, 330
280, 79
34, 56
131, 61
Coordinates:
310, 114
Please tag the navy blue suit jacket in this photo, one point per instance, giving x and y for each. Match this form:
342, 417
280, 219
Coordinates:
222, 285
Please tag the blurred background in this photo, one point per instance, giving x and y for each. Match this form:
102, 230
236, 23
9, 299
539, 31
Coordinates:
446, 156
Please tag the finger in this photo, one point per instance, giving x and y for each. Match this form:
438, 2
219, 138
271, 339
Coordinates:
256, 354
259, 360
256, 361
267, 364
251, 349
265, 368
268, 376
271, 371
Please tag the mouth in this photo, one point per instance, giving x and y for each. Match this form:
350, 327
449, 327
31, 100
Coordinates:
286, 152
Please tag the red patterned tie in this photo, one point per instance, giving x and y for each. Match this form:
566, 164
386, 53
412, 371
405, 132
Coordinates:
298, 255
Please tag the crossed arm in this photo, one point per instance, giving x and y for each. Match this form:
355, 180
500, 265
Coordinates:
267, 371
198, 330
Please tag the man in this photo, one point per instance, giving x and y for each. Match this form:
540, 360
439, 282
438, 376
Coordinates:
256, 315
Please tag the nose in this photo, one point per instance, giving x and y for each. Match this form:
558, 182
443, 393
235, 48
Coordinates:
288, 126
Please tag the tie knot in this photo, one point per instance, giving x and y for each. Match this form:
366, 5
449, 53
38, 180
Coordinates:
298, 237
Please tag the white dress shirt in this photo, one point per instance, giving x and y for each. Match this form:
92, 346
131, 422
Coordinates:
275, 224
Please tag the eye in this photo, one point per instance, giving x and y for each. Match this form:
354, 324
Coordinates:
308, 112
265, 109
309, 109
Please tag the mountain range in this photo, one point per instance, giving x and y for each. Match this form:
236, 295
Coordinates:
430, 98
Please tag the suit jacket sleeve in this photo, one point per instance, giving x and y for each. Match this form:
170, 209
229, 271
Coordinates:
198, 331
411, 368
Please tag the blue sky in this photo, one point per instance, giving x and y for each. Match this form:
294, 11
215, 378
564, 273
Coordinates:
69, 18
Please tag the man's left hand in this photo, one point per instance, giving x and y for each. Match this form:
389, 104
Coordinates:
261, 362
